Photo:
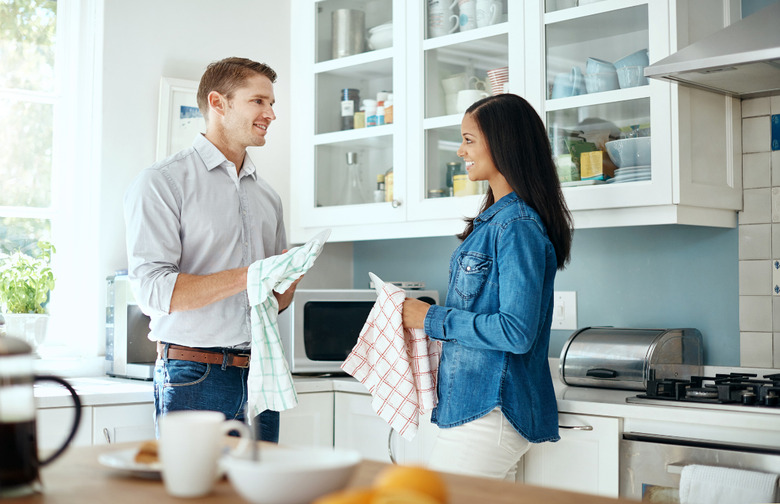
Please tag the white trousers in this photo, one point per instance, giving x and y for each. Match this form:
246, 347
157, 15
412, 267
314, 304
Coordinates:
488, 447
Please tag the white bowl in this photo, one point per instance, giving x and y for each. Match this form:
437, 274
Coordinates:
290, 475
380, 37
629, 152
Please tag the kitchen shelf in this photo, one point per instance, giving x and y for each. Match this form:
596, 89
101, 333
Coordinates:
591, 99
365, 135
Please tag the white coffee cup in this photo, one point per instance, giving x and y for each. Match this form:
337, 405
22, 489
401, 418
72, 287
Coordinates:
190, 445
488, 12
468, 14
441, 18
468, 96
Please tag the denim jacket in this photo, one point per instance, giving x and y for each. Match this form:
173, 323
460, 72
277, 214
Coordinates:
495, 325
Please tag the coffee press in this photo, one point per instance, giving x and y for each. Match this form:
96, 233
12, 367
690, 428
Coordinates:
19, 462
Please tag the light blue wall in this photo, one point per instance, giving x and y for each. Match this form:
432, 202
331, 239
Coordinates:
650, 276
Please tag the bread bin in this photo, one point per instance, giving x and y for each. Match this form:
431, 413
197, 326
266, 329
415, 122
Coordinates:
624, 358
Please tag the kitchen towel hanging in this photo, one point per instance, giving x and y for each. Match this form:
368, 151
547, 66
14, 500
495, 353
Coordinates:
397, 366
269, 384
700, 484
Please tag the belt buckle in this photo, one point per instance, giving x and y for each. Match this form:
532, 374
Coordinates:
233, 357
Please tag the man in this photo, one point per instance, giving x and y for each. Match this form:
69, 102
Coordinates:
195, 222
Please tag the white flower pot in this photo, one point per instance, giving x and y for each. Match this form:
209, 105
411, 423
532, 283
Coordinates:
30, 327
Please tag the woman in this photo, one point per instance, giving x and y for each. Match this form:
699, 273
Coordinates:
494, 385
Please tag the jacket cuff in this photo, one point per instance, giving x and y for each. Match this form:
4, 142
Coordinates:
434, 322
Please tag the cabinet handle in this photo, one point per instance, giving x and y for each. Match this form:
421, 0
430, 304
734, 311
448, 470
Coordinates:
107, 435
576, 427
674, 468
396, 203
390, 446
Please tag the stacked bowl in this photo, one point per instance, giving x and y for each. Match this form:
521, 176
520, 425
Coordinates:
498, 77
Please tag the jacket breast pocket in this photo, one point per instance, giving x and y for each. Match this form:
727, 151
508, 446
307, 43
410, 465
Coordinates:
473, 269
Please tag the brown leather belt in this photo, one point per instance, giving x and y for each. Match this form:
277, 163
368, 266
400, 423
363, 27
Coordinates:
178, 352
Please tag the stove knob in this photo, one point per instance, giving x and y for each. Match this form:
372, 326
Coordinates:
771, 400
749, 398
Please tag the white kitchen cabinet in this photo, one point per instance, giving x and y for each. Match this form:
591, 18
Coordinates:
122, 423
53, 425
358, 427
310, 423
584, 460
696, 146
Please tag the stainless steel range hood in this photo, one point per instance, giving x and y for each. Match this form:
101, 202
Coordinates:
741, 60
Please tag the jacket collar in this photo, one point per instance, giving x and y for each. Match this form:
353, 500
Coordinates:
496, 207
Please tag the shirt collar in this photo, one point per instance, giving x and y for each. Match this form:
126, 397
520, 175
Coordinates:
497, 207
212, 157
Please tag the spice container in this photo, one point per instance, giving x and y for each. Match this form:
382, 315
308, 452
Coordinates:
370, 108
453, 168
389, 109
350, 102
379, 192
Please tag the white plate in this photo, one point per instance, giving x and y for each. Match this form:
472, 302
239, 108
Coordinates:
124, 460
632, 169
638, 178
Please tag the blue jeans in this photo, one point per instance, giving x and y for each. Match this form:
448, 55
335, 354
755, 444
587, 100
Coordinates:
185, 385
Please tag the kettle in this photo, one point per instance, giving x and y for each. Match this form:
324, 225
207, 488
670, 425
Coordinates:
19, 463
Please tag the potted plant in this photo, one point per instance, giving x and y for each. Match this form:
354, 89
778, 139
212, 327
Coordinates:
25, 284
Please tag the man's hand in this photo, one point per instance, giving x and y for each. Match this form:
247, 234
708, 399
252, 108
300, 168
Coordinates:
285, 298
414, 313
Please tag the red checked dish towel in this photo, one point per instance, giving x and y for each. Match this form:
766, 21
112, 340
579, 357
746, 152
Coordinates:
397, 366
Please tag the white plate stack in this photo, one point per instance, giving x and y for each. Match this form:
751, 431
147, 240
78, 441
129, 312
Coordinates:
630, 174
497, 78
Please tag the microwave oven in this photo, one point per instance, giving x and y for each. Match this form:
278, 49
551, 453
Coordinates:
129, 352
321, 326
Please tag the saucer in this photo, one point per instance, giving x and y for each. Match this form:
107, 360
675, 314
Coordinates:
124, 460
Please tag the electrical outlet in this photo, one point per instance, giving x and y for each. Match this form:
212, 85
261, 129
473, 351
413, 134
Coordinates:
564, 310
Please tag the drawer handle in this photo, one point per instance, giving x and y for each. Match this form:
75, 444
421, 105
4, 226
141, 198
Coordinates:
576, 427
601, 373
390, 446
107, 435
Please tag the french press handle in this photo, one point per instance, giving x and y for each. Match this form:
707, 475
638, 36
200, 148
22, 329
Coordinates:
76, 418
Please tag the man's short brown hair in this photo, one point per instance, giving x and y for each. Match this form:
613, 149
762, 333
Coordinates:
227, 75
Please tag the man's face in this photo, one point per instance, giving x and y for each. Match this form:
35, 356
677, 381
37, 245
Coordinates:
250, 112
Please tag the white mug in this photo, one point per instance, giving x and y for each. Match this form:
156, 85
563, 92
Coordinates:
468, 96
488, 12
468, 14
191, 444
441, 19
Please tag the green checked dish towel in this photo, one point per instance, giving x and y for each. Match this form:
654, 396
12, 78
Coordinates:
270, 385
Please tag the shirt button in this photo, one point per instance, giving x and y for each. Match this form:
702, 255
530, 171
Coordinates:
468, 268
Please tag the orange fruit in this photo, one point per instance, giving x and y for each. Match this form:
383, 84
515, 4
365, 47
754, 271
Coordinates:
348, 496
412, 478
402, 496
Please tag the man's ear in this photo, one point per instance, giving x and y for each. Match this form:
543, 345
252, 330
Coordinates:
217, 103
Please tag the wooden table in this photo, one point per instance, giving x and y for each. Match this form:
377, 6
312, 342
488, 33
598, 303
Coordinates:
77, 478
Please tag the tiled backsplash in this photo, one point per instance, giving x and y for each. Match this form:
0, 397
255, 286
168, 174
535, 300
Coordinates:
759, 238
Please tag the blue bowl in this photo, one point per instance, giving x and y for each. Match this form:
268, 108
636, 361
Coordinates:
639, 58
629, 152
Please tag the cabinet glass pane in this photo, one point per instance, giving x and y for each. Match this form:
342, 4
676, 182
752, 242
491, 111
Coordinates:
366, 81
445, 174
346, 172
349, 27
597, 53
595, 143
457, 75
444, 17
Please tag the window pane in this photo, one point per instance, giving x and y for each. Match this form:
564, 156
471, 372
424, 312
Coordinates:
26, 156
23, 234
27, 36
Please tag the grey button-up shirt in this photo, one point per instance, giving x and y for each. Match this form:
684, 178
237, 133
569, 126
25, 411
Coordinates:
191, 213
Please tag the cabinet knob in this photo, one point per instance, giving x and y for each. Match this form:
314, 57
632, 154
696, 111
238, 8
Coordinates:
396, 203
107, 435
390, 449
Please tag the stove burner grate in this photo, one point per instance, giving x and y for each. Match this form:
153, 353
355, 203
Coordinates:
732, 388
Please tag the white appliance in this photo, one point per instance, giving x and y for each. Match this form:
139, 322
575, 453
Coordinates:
321, 326
129, 352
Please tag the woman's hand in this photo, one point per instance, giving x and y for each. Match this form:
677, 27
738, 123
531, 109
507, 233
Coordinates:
414, 313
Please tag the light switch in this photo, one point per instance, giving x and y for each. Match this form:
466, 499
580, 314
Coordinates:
564, 310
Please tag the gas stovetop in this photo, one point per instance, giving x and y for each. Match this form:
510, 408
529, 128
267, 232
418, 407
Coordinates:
727, 390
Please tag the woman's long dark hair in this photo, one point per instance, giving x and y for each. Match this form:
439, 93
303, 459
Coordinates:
517, 141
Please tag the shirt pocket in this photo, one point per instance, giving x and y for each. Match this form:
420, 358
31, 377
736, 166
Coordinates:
472, 271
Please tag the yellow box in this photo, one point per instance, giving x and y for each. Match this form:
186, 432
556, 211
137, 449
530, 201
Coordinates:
592, 165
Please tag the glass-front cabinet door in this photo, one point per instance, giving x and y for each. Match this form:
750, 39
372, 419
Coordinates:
464, 51
353, 87
600, 111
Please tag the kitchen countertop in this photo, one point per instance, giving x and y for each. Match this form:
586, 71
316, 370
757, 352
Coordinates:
77, 477
751, 425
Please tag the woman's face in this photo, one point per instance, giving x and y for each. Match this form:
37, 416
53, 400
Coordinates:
475, 151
